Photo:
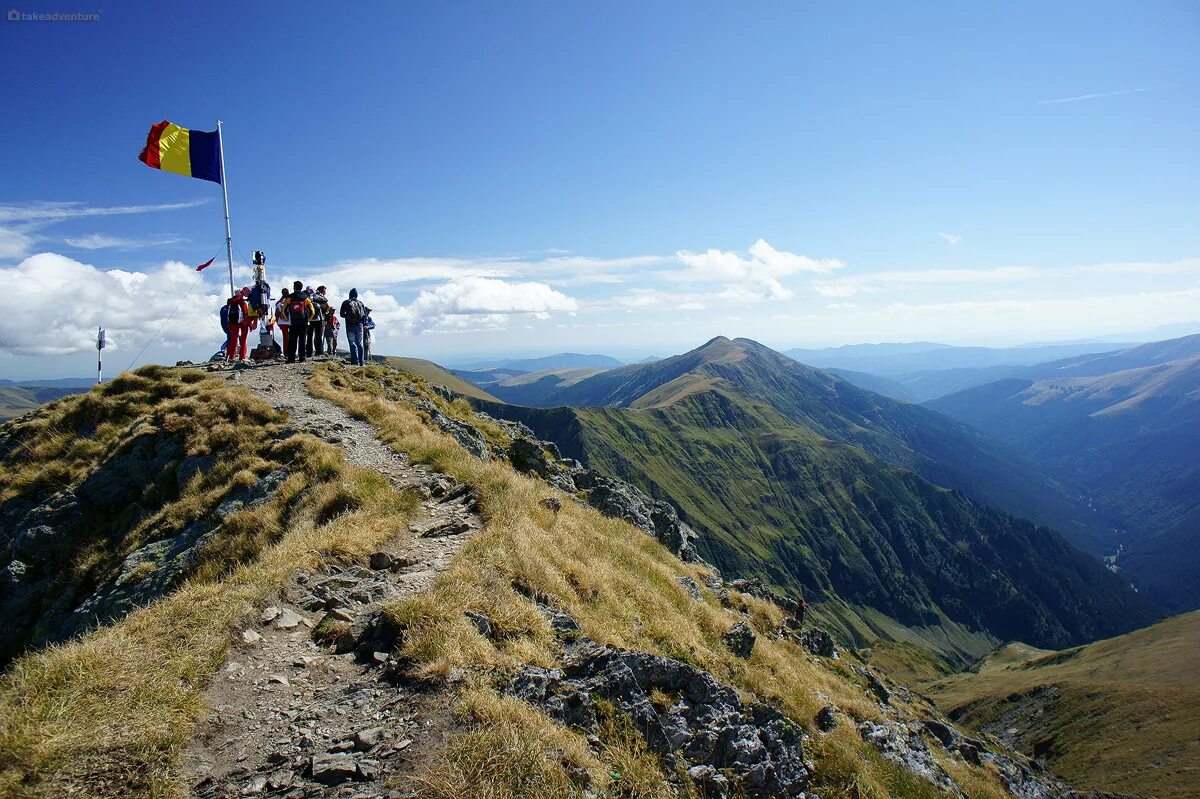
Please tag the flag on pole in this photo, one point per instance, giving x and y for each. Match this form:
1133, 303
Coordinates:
192, 153
206, 264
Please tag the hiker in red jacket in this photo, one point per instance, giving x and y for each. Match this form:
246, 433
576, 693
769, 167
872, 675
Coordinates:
239, 326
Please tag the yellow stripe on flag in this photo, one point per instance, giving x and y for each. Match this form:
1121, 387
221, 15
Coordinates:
174, 154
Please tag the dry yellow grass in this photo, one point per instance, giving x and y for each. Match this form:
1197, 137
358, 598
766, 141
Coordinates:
109, 714
617, 582
1124, 714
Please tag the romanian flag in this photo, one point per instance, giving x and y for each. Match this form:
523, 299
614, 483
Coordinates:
194, 153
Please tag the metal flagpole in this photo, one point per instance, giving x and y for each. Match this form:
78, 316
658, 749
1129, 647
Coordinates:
225, 195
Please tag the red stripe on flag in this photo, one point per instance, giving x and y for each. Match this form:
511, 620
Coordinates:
150, 155
206, 264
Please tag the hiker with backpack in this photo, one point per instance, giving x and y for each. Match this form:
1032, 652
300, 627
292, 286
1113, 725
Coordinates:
331, 332
353, 312
315, 344
237, 317
300, 312
281, 317
368, 326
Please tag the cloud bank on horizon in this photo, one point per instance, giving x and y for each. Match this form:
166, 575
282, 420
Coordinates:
558, 299
56, 302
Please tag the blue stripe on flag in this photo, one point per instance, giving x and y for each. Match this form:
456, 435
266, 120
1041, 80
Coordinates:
206, 155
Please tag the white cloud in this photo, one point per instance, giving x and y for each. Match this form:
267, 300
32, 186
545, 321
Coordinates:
389, 272
840, 306
474, 303
1094, 96
57, 211
14, 243
894, 279
558, 270
19, 220
760, 274
56, 303
764, 262
102, 241
643, 298
951, 238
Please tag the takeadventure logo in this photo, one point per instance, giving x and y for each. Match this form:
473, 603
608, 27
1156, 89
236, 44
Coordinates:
52, 16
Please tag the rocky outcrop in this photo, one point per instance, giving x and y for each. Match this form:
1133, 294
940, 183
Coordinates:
740, 639
49, 603
620, 500
727, 746
37, 538
156, 568
900, 743
816, 642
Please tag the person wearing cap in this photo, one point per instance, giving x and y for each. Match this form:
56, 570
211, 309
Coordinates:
316, 330
353, 312
300, 312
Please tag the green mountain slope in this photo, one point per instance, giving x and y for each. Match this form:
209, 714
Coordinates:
17, 400
530, 388
1120, 715
940, 449
437, 376
773, 499
1129, 439
561, 360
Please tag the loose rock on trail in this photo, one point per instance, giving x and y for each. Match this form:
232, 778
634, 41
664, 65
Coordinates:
288, 716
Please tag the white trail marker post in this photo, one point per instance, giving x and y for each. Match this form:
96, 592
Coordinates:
99, 355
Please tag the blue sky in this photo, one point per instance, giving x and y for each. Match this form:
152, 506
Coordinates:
620, 177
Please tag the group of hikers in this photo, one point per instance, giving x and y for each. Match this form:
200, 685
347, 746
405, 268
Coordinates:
305, 318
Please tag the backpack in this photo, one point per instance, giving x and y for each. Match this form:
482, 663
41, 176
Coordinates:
260, 295
225, 318
355, 311
235, 313
297, 306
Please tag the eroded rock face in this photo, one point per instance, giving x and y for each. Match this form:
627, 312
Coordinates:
903, 745
156, 568
37, 538
740, 639
816, 642
759, 752
43, 539
620, 500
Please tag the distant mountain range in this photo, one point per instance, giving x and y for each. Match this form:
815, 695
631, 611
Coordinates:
562, 360
796, 476
19, 398
528, 388
1130, 437
889, 374
901, 359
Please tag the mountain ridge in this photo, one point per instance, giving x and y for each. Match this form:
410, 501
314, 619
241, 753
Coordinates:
944, 451
1127, 437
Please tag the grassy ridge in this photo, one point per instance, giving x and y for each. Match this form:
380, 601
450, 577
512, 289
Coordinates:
437, 376
621, 586
1121, 714
109, 714
775, 500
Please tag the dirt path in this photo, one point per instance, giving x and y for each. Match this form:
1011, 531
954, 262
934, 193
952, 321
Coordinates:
288, 717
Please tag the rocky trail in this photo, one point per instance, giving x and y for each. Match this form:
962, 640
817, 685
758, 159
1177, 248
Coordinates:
291, 717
